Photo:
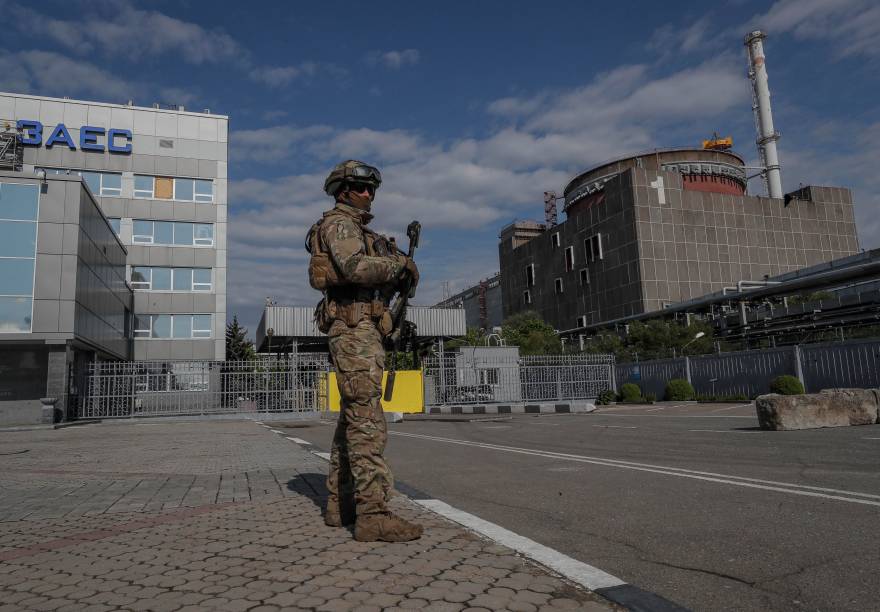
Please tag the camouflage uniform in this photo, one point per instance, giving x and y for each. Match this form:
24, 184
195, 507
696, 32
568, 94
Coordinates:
356, 459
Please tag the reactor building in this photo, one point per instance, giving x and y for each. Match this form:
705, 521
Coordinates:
646, 231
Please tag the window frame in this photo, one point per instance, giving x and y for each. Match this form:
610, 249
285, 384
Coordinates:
530, 275
558, 285
569, 258
151, 192
582, 321
195, 243
527, 297
32, 257
584, 276
195, 333
103, 192
148, 282
555, 240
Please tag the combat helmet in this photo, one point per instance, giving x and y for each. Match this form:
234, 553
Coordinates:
354, 171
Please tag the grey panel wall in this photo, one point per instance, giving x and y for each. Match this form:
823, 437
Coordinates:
850, 364
614, 286
164, 142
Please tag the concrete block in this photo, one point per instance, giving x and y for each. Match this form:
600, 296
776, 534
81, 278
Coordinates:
393, 417
830, 408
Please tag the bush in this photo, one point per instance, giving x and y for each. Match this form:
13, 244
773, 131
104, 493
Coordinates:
786, 385
630, 392
678, 389
650, 398
606, 397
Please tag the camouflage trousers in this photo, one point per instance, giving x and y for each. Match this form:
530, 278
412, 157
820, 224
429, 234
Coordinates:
357, 465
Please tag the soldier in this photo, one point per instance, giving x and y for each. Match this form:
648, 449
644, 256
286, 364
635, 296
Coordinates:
358, 272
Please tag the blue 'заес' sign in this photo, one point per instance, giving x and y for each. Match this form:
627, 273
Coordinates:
90, 138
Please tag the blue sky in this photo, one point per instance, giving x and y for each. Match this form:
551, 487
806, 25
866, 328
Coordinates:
472, 110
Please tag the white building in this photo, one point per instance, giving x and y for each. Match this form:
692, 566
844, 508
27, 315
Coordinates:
160, 177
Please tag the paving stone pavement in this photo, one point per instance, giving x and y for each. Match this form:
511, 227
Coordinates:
225, 516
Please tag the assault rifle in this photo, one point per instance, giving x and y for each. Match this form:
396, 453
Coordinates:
403, 332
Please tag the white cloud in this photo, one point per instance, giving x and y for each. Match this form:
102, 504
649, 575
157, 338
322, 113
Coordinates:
122, 29
695, 35
394, 60
852, 26
50, 73
471, 185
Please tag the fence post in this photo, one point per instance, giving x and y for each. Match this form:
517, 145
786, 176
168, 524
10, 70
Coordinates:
798, 365
687, 368
612, 369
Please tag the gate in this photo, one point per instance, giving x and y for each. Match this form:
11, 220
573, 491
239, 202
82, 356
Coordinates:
480, 377
185, 388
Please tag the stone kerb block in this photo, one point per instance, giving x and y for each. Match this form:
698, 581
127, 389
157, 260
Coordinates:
829, 408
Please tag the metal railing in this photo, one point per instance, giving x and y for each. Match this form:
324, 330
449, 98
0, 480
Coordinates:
462, 378
297, 383
852, 363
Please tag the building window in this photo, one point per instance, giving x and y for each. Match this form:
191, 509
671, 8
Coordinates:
178, 189
100, 183
554, 240
114, 223
582, 321
527, 297
19, 204
171, 279
172, 327
558, 284
593, 247
530, 275
569, 259
172, 233
585, 276
143, 186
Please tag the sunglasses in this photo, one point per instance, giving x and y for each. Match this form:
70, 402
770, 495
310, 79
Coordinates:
361, 188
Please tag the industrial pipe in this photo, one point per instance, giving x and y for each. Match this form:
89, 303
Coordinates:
767, 136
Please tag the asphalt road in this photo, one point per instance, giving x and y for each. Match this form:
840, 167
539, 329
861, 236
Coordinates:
690, 501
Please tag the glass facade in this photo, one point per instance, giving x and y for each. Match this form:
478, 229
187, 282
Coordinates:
19, 205
104, 184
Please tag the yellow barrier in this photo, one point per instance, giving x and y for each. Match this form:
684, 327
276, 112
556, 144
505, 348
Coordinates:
408, 392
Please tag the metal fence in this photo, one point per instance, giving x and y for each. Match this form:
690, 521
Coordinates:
183, 388
466, 378
854, 363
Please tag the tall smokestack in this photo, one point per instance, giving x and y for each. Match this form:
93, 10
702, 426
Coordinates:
767, 136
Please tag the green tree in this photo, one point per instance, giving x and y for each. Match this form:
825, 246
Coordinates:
531, 334
238, 347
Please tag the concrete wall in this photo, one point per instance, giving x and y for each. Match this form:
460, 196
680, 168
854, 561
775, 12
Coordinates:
614, 285
658, 254
164, 143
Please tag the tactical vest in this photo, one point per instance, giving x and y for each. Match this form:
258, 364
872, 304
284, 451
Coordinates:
342, 300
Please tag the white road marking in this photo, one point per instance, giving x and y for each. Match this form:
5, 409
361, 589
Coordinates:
739, 481
324, 456
656, 409
576, 571
732, 407
870, 438
681, 416
616, 426
275, 431
497, 427
299, 441
727, 431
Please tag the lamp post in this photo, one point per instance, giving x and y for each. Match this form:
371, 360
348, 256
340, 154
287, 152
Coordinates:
695, 338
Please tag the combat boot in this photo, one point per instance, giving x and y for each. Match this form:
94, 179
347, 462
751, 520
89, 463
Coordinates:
385, 527
339, 514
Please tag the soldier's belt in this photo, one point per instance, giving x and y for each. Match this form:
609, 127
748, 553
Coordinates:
352, 313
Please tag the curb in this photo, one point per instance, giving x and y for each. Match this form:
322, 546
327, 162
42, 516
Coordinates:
591, 578
518, 408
